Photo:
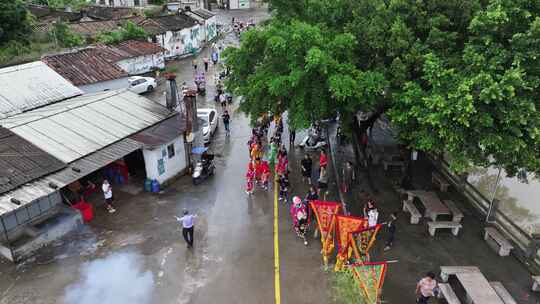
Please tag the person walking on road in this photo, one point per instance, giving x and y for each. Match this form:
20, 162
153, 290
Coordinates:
250, 179
306, 165
292, 136
215, 57
205, 61
187, 227
226, 120
323, 183
348, 177
283, 187
300, 218
107, 193
194, 63
391, 224
426, 288
323, 159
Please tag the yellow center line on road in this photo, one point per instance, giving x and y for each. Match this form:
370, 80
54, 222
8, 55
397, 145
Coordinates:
277, 284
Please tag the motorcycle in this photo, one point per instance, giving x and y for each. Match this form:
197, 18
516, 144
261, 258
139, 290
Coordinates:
314, 140
200, 81
203, 167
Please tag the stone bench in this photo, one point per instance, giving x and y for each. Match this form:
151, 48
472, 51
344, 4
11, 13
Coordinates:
457, 215
436, 178
433, 226
536, 283
502, 293
504, 246
447, 271
447, 293
408, 206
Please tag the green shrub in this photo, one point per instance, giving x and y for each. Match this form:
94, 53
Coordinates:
345, 289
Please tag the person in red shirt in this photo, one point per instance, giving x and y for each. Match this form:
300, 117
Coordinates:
265, 177
258, 170
323, 159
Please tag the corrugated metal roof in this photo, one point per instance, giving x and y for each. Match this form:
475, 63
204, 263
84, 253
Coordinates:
39, 188
163, 132
28, 86
75, 128
22, 162
86, 66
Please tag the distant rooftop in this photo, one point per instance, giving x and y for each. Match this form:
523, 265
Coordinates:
31, 85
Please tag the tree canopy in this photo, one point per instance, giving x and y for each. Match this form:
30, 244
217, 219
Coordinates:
14, 20
455, 77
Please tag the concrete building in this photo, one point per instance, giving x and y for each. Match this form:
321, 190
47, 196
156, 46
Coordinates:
103, 67
165, 154
208, 20
85, 134
179, 34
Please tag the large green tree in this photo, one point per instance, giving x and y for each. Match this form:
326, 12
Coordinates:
14, 20
459, 77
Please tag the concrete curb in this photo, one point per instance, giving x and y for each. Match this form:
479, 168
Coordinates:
336, 173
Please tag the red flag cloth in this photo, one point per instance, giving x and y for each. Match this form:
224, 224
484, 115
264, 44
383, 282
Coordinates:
324, 211
345, 226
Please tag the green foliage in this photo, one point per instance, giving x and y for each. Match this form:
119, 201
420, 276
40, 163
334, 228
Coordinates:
64, 36
345, 289
128, 31
152, 12
15, 21
460, 77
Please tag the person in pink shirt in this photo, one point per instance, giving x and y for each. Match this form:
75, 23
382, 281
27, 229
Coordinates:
250, 178
323, 159
426, 288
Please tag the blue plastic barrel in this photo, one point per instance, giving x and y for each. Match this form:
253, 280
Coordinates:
155, 186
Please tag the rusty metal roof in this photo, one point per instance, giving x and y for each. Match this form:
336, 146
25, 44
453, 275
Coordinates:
22, 162
31, 85
174, 22
93, 28
136, 48
86, 66
74, 128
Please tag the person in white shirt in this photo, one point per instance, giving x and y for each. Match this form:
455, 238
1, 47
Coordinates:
107, 193
187, 227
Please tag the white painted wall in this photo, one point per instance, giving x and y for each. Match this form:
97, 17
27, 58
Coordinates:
182, 43
239, 4
172, 166
115, 84
142, 64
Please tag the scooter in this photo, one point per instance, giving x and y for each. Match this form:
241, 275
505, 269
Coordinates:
201, 84
314, 140
203, 167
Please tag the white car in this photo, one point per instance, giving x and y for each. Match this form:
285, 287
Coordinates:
139, 84
208, 122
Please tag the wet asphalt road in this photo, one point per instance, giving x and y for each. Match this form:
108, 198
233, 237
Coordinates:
232, 260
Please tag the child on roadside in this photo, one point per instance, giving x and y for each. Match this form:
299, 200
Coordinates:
283, 187
391, 224
250, 178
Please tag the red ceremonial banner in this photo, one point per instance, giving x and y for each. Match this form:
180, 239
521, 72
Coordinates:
370, 278
324, 211
345, 226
